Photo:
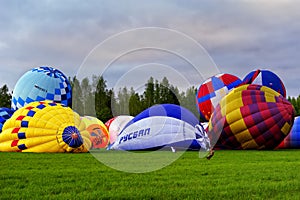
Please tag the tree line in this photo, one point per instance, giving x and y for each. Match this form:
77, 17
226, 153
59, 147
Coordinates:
93, 97
295, 101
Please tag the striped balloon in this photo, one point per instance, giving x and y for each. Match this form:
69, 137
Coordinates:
265, 78
212, 91
44, 127
251, 117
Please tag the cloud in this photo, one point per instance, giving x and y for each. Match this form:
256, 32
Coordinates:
238, 35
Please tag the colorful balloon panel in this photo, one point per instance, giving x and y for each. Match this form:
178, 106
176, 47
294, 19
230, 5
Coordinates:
251, 117
292, 140
5, 114
265, 78
44, 127
212, 91
115, 126
168, 110
39, 84
99, 135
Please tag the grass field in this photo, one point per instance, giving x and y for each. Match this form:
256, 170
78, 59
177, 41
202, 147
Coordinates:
228, 175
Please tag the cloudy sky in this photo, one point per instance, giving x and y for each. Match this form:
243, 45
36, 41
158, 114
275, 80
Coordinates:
188, 41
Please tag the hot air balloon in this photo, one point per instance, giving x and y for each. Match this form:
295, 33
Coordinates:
115, 126
99, 135
44, 127
265, 78
160, 126
5, 114
292, 140
212, 91
251, 117
42, 83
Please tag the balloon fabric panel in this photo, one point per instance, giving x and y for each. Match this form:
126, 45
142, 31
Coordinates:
5, 114
266, 78
99, 135
168, 110
212, 91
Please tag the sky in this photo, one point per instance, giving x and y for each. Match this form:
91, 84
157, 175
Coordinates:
128, 41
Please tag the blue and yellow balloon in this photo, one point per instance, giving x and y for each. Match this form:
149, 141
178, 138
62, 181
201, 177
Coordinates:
44, 127
39, 84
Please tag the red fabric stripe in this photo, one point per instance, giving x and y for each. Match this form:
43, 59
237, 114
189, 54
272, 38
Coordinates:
20, 118
14, 143
29, 107
16, 130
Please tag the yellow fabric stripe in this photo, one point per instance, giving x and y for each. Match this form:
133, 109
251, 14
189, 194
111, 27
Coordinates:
251, 144
231, 102
270, 91
269, 98
286, 128
237, 125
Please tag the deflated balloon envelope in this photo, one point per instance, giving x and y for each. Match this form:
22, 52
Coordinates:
292, 140
266, 78
115, 126
251, 117
99, 135
42, 83
5, 114
159, 126
212, 91
44, 127
167, 110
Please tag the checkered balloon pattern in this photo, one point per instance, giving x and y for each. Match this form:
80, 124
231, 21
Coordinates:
212, 91
251, 117
5, 114
42, 83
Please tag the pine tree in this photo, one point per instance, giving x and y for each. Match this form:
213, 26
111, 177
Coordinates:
77, 103
148, 99
123, 101
188, 100
102, 101
296, 103
135, 103
5, 97
88, 97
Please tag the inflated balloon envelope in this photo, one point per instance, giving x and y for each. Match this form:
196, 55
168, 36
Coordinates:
165, 125
266, 78
39, 84
44, 127
212, 91
115, 125
5, 114
251, 117
99, 135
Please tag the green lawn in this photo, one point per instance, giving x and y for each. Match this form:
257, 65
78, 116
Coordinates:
228, 175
